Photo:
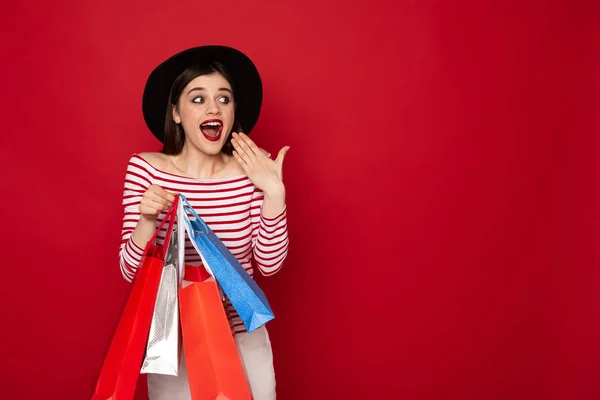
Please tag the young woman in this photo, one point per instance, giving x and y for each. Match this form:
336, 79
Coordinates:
201, 103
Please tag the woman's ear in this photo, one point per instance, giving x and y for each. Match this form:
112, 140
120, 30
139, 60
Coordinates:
176, 116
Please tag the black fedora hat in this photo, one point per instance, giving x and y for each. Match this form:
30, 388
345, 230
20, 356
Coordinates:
246, 81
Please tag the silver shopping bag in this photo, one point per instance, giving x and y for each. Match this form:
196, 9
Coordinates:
162, 349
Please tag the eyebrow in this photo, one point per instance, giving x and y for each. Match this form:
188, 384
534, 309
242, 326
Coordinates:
201, 88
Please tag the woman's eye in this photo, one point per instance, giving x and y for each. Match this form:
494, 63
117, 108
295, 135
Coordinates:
198, 100
224, 100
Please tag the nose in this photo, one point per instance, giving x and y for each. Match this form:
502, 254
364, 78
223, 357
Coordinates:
213, 108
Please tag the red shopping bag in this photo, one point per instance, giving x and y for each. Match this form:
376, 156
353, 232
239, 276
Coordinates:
121, 368
213, 363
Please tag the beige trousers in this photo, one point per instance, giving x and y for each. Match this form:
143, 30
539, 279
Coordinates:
257, 359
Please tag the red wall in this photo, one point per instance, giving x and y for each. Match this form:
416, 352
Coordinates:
442, 181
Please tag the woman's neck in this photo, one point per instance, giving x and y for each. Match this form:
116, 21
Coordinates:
194, 163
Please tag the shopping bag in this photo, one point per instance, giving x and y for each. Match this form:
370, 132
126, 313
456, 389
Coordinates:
212, 360
162, 349
245, 295
121, 367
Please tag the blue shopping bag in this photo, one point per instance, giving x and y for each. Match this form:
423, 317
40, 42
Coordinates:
246, 297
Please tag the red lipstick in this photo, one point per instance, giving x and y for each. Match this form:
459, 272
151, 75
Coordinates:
210, 125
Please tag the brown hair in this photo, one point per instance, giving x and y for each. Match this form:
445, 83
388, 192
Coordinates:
174, 135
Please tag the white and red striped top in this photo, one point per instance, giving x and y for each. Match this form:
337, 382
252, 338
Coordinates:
231, 207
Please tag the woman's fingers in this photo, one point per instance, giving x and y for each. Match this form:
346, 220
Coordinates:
155, 203
249, 144
151, 207
240, 161
281, 154
242, 149
156, 200
159, 191
159, 199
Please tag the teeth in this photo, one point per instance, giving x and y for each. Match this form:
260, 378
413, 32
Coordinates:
212, 124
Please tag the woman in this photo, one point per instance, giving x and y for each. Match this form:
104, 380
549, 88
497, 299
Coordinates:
198, 103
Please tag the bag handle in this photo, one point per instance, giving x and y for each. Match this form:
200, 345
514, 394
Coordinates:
171, 216
199, 222
188, 207
181, 237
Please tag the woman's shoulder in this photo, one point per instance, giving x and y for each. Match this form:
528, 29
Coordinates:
158, 160
155, 161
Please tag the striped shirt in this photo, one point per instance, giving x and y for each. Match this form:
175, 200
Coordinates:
231, 207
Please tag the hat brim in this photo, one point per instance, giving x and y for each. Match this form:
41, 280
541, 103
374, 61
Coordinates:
245, 76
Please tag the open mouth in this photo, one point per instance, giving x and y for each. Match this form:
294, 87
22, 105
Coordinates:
211, 129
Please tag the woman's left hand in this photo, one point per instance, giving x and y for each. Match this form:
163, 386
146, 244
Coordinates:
266, 174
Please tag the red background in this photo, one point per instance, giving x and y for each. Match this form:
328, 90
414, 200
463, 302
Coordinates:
442, 181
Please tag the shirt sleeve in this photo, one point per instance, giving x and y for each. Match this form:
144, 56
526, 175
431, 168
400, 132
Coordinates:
269, 236
137, 180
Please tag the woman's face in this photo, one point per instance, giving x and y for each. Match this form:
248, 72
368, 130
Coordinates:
206, 112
